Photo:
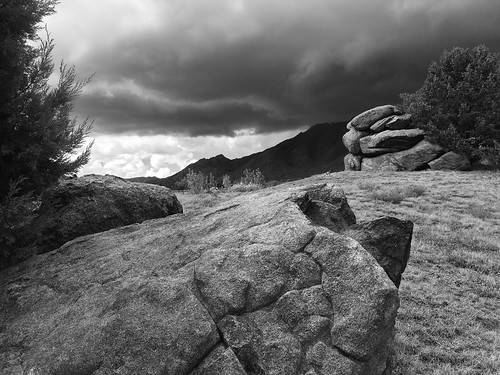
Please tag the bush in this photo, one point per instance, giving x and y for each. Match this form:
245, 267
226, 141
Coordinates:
240, 187
397, 195
17, 213
459, 103
226, 181
196, 182
253, 177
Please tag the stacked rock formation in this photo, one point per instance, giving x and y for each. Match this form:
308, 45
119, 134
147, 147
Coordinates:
383, 138
280, 282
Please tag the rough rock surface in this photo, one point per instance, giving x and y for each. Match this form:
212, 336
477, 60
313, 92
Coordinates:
380, 163
394, 122
383, 139
388, 239
390, 141
352, 162
351, 140
451, 161
412, 159
364, 120
256, 285
94, 203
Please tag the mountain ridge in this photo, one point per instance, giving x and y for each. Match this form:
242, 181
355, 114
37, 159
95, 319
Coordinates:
319, 149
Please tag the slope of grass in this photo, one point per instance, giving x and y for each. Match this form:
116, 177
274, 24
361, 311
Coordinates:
449, 319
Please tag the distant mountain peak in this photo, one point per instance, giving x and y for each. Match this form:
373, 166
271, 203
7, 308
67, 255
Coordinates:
316, 150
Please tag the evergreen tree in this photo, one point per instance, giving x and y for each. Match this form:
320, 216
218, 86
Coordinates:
37, 135
459, 103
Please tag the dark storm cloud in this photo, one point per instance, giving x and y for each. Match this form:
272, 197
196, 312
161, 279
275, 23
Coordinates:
209, 68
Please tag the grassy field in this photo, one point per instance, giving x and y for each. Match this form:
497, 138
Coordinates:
449, 319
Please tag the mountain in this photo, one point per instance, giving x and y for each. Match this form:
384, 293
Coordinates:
317, 150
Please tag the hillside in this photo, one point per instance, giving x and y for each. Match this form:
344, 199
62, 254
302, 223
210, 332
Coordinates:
319, 149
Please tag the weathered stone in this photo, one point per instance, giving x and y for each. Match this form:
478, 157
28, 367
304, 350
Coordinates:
394, 122
328, 361
363, 321
399, 122
352, 162
327, 206
220, 361
364, 120
412, 159
390, 141
379, 163
262, 342
388, 240
451, 161
351, 140
249, 286
418, 156
93, 203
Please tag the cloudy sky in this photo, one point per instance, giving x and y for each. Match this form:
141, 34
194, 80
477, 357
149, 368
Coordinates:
178, 80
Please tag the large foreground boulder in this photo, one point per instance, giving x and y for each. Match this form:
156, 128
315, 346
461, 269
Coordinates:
95, 203
262, 284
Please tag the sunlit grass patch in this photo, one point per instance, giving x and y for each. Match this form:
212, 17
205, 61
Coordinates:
397, 195
240, 187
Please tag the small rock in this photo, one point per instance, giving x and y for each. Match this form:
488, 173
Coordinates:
352, 162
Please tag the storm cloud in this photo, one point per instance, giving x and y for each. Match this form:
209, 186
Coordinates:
215, 68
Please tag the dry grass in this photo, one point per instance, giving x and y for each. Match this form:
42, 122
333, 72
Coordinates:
449, 319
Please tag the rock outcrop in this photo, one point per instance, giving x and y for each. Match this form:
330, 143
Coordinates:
95, 203
451, 161
268, 283
383, 139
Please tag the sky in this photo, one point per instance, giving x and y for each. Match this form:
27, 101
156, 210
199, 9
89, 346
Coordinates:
175, 81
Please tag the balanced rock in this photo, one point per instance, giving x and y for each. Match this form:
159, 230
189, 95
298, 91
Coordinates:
412, 159
94, 203
451, 161
390, 141
394, 122
364, 120
257, 285
351, 140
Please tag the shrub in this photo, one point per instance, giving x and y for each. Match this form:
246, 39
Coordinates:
240, 187
396, 195
196, 182
367, 185
459, 103
253, 177
17, 213
226, 181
